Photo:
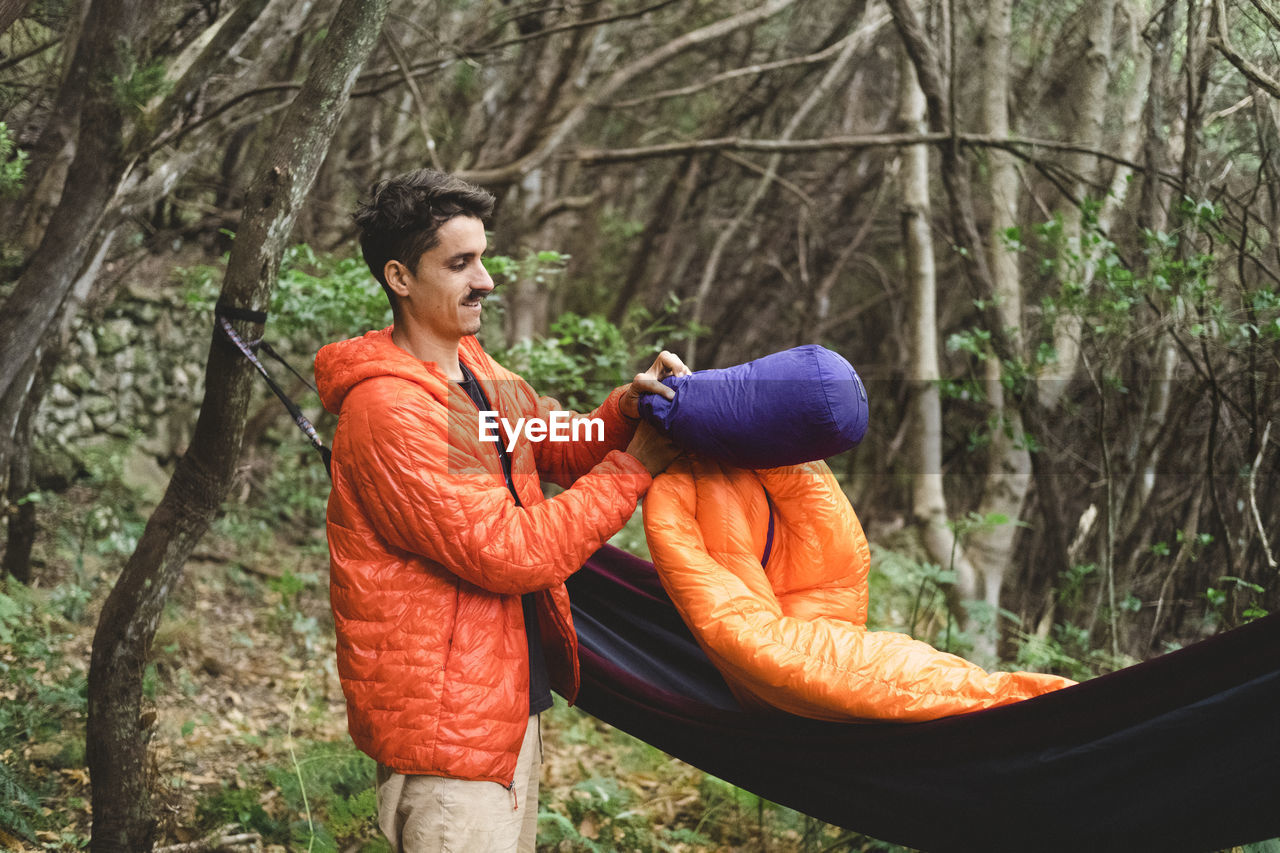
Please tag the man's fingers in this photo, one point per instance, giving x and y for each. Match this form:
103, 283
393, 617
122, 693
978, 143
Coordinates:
672, 363
668, 364
647, 384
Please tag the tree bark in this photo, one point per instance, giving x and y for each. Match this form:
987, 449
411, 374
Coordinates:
1008, 475
1086, 113
924, 438
26, 400
955, 177
116, 738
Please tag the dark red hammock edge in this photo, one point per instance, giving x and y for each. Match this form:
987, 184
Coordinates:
1178, 753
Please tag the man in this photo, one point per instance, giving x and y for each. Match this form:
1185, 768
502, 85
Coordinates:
448, 565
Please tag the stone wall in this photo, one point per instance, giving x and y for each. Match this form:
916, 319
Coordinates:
135, 374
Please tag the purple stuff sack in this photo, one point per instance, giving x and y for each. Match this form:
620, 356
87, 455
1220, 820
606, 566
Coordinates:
787, 408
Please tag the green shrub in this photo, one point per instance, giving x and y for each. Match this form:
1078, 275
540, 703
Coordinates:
13, 163
241, 806
43, 710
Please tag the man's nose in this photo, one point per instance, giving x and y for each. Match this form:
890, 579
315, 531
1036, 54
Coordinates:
483, 281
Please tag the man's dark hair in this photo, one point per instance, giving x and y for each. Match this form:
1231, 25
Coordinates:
403, 215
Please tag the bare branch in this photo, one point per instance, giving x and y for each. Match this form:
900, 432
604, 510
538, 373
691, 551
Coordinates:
402, 61
1221, 42
10, 61
1272, 16
578, 25
480, 51
1234, 108
598, 157
620, 78
10, 11
222, 37
789, 186
925, 59
752, 70
1253, 497
726, 235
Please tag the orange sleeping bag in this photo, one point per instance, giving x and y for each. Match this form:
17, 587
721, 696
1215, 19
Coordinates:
791, 633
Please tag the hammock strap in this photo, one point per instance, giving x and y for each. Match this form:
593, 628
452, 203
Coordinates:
224, 315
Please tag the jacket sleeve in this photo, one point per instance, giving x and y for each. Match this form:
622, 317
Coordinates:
397, 461
606, 430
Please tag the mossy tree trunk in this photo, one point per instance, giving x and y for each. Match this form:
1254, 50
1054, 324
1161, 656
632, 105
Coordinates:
117, 737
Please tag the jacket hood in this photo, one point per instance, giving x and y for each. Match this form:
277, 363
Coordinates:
343, 365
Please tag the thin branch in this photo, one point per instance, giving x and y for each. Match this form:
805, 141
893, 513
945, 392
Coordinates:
1253, 497
597, 157
1252, 72
226, 33
622, 77
1272, 16
402, 61
1223, 45
749, 70
221, 840
1234, 108
1109, 547
577, 25
726, 236
797, 191
10, 61
400, 71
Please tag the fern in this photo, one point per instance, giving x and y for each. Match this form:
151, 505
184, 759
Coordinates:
17, 804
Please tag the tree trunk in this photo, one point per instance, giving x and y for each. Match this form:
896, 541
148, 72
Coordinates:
1008, 474
116, 738
1085, 113
21, 414
91, 181
924, 438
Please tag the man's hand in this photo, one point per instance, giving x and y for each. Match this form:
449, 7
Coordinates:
654, 450
650, 382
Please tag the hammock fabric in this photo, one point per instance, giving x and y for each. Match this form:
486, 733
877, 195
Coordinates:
1177, 753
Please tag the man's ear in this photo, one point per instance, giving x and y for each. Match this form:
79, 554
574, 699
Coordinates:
397, 275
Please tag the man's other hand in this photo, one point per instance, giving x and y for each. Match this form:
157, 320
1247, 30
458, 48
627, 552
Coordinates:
654, 450
650, 382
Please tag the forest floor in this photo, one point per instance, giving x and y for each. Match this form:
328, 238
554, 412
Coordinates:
247, 721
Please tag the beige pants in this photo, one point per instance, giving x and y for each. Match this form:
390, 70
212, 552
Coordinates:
433, 814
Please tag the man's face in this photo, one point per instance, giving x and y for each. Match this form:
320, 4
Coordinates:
441, 296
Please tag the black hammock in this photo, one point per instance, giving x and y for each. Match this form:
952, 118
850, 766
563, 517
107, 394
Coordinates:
1178, 753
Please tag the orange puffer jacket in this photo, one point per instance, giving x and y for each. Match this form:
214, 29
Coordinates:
430, 555
791, 633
